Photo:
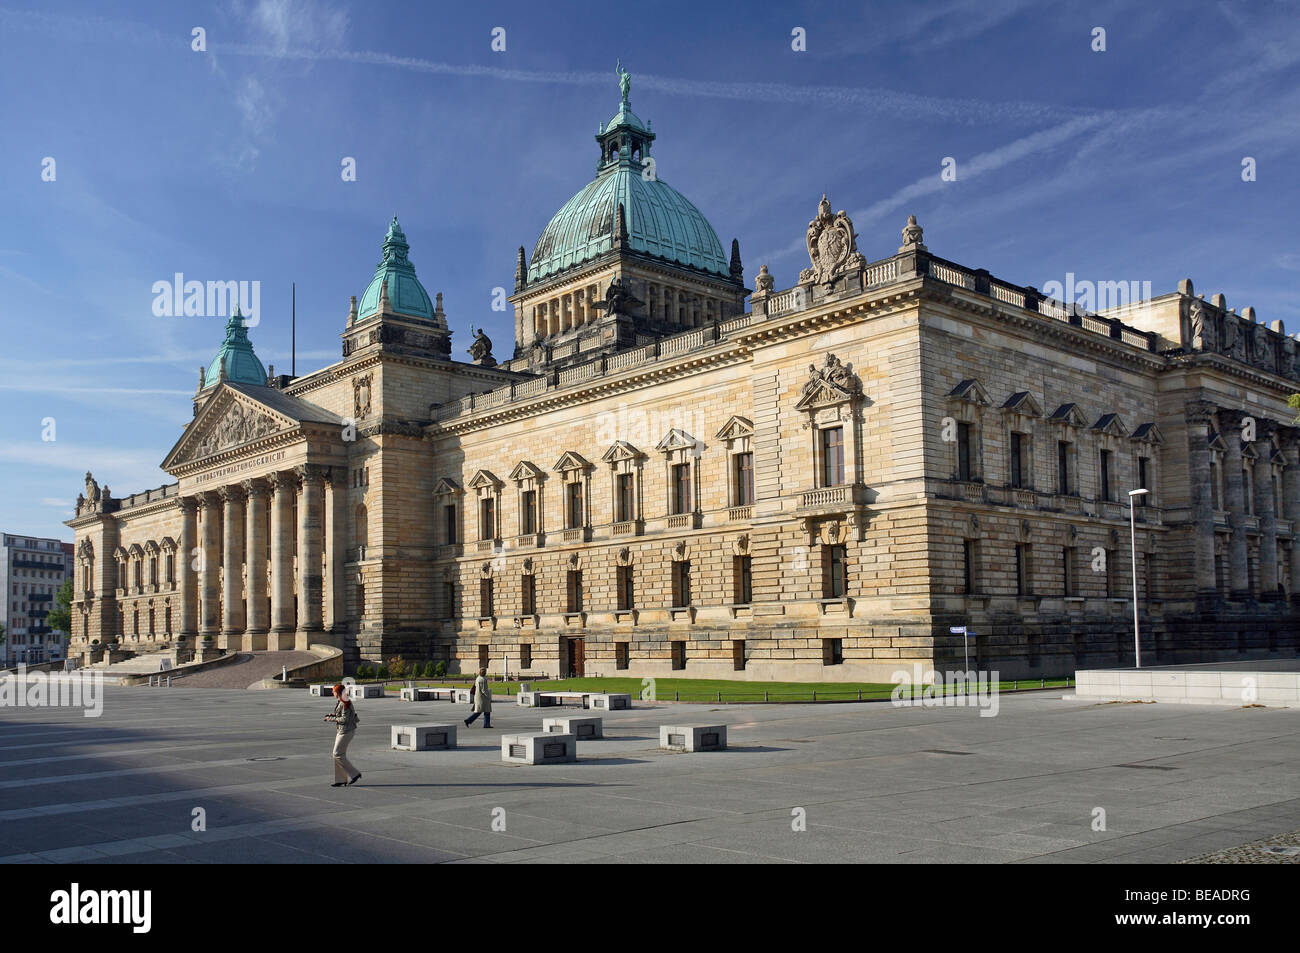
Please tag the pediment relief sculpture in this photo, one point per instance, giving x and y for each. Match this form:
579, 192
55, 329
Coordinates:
239, 424
832, 383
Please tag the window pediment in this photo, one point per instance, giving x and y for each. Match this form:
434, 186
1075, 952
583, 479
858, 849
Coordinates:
971, 391
485, 479
1110, 424
447, 487
1069, 415
526, 470
676, 440
1148, 433
1023, 402
571, 461
735, 428
621, 451
833, 383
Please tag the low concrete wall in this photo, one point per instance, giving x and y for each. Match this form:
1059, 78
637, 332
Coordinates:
328, 665
1235, 687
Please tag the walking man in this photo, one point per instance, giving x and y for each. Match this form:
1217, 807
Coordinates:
482, 700
345, 716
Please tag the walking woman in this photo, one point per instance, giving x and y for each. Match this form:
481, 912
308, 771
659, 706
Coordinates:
346, 718
482, 695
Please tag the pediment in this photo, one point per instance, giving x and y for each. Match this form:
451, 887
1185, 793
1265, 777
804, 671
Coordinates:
621, 450
1068, 414
446, 487
483, 479
676, 440
229, 419
1148, 433
970, 390
1110, 424
571, 461
1023, 402
735, 428
526, 470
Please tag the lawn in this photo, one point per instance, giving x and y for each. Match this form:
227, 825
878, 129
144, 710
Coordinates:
720, 689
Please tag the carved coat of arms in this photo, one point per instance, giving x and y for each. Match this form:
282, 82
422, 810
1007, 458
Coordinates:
832, 244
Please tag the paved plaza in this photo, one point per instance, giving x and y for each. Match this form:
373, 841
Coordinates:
873, 782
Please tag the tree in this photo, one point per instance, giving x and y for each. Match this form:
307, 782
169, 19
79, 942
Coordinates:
60, 616
2, 633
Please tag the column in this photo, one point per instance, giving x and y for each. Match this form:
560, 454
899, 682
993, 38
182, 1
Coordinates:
311, 527
1265, 509
284, 486
209, 563
259, 613
1200, 474
1234, 485
232, 549
336, 554
1289, 441
187, 590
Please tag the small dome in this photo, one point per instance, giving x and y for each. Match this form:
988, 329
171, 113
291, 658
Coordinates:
406, 296
236, 356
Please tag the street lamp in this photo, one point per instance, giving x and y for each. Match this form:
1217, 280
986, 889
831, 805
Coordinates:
1132, 539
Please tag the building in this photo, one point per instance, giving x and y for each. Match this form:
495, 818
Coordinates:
34, 571
659, 480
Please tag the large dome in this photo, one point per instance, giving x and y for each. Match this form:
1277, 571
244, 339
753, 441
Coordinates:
235, 360
660, 221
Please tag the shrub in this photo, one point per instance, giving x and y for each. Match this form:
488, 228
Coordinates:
397, 666
430, 669
383, 672
363, 671
440, 669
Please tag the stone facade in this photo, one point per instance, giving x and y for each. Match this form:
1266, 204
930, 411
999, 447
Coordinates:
817, 488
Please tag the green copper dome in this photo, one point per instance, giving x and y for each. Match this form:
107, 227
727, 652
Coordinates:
660, 221
405, 293
236, 357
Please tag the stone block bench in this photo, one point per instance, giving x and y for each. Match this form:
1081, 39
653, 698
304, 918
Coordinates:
693, 737
543, 748
424, 737
609, 702
428, 694
533, 699
363, 691
321, 691
577, 725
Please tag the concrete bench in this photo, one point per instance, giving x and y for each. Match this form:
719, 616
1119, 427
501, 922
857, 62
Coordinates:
321, 691
693, 737
460, 696
544, 748
609, 702
424, 737
577, 725
428, 694
561, 697
533, 700
364, 691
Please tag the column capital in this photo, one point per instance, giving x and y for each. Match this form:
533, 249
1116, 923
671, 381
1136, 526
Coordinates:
312, 473
188, 504
1229, 418
1199, 411
1265, 429
208, 500
231, 493
282, 480
1288, 441
258, 488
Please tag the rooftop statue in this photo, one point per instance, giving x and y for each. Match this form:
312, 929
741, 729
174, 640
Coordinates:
624, 81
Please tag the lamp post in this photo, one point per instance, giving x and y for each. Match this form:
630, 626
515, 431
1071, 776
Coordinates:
1132, 539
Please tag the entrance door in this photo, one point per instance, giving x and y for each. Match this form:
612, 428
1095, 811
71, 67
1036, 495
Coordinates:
577, 658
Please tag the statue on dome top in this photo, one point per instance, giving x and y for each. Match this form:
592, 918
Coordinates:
624, 81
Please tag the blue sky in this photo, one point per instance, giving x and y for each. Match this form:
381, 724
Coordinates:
1123, 165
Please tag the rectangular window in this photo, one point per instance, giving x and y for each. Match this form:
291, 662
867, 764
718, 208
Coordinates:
448, 599
678, 655
968, 566
484, 655
832, 456
485, 597
1067, 571
1112, 574
626, 593
528, 513
1142, 482
743, 572
1017, 460
682, 583
836, 577
738, 655
573, 504
621, 654
1022, 569
574, 590
626, 497
1063, 467
528, 595
681, 488
963, 452
449, 523
487, 528
525, 655
744, 478
1103, 469
832, 651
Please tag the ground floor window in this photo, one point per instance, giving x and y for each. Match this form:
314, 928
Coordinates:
832, 651
621, 654
526, 655
738, 655
679, 655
